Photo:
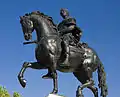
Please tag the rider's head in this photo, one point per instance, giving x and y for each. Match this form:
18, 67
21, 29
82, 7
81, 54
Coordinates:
64, 13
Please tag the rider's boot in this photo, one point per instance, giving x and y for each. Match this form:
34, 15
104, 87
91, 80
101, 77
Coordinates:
67, 58
48, 75
65, 63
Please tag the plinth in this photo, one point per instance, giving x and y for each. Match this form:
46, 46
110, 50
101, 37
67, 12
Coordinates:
54, 95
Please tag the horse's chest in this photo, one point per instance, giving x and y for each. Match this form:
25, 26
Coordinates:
45, 48
52, 44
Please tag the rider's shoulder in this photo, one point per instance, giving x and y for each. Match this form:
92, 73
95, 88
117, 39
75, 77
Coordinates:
68, 21
71, 19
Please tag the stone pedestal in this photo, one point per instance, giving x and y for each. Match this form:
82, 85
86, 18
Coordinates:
54, 95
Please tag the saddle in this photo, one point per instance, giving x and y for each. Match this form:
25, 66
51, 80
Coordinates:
78, 48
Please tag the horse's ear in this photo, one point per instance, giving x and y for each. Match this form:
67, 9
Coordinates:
21, 17
27, 14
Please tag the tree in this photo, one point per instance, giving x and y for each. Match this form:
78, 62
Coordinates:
16, 94
4, 93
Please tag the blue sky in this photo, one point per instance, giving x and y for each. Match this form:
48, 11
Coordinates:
100, 22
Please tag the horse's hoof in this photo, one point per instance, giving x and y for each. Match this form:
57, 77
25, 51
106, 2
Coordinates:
22, 82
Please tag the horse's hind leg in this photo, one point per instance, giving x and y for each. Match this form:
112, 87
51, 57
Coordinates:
79, 93
84, 78
80, 88
94, 90
34, 65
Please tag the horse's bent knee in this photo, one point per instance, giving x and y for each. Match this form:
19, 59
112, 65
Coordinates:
25, 64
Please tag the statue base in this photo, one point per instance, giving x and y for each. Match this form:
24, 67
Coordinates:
54, 95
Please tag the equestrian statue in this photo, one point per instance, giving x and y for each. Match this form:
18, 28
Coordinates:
58, 47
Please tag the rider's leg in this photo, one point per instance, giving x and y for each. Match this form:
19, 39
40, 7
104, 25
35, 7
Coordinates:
65, 47
50, 74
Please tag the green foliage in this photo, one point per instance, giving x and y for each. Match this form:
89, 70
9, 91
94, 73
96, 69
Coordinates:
16, 94
4, 93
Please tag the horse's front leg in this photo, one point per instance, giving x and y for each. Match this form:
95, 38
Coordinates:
54, 76
34, 65
55, 83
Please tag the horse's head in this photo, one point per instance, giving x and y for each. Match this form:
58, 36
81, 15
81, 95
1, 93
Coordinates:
27, 27
41, 23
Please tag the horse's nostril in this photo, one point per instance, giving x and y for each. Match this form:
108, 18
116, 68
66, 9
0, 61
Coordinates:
26, 35
29, 35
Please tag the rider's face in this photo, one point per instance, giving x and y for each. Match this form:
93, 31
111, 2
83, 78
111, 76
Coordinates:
63, 13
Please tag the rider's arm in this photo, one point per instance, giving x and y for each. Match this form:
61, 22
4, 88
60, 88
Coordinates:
71, 26
67, 30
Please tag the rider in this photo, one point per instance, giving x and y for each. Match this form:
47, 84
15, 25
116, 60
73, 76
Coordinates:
70, 34
69, 28
69, 31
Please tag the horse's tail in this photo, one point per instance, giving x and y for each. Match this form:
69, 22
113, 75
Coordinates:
102, 80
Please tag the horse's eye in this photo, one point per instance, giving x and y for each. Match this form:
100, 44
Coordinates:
30, 23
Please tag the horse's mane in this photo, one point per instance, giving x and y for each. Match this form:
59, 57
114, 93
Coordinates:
41, 14
48, 18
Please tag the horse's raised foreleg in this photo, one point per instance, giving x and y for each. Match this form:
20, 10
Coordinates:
34, 65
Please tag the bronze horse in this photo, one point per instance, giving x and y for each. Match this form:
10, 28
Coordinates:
83, 61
